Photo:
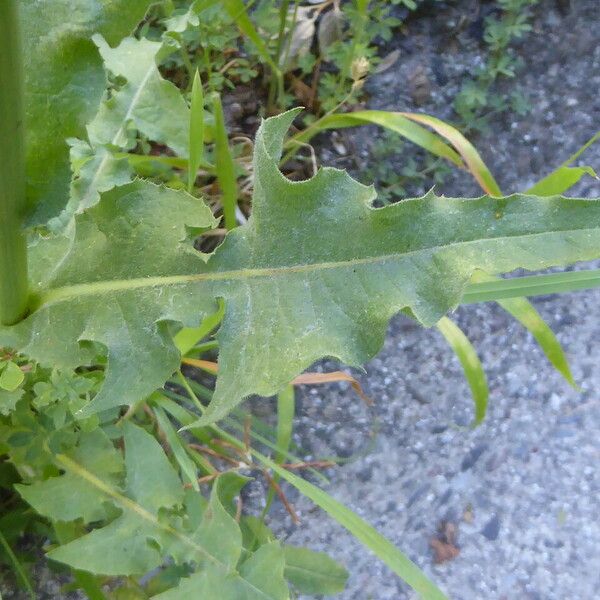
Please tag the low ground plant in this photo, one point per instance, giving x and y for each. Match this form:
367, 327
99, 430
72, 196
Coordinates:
156, 270
479, 98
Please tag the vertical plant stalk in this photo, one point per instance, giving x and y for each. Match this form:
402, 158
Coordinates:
13, 249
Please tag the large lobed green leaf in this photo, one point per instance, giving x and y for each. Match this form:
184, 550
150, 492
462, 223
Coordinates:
316, 272
147, 530
64, 82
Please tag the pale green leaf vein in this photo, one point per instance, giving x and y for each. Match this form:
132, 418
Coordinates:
70, 292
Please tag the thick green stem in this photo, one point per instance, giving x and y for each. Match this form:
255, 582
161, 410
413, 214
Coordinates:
13, 249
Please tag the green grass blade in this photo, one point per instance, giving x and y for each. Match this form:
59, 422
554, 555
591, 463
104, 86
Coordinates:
186, 417
565, 176
583, 148
203, 348
410, 125
196, 131
19, 570
522, 310
389, 120
225, 166
531, 285
471, 365
469, 154
560, 181
140, 160
365, 533
188, 337
286, 409
188, 469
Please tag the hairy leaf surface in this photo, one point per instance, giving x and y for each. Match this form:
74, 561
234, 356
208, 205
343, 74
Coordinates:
135, 237
316, 272
69, 497
145, 102
64, 82
144, 533
260, 578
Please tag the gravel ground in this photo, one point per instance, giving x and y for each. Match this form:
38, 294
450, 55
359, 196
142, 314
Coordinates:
522, 489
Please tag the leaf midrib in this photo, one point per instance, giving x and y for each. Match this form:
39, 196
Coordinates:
65, 293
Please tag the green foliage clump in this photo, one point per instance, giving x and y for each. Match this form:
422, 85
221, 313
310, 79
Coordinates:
108, 399
478, 98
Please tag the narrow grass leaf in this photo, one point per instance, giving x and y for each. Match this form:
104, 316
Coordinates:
471, 365
332, 377
583, 148
17, 566
531, 285
185, 463
140, 160
225, 166
392, 121
365, 533
286, 409
196, 150
468, 152
565, 176
188, 337
206, 365
522, 310
560, 181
